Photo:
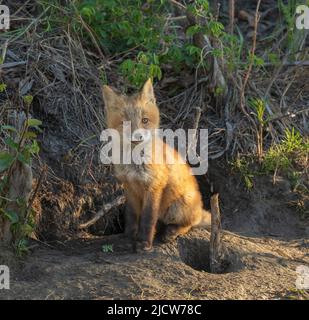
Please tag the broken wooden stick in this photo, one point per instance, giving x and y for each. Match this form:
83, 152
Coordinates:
12, 64
217, 250
105, 209
231, 16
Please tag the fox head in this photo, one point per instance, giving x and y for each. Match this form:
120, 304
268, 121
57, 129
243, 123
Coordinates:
140, 109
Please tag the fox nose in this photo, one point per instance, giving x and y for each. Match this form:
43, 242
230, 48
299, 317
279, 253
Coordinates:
140, 136
137, 137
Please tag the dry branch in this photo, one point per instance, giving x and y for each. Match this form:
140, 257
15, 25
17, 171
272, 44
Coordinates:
12, 64
249, 70
217, 249
231, 15
105, 209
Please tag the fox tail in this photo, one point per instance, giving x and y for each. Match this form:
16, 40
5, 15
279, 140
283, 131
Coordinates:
205, 219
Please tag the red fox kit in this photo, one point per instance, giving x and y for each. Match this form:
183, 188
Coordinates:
155, 192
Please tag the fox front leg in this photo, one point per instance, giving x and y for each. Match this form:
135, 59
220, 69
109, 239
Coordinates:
131, 224
148, 221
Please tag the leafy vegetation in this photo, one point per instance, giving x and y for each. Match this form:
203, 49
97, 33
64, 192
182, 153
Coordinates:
294, 37
243, 167
145, 35
107, 248
21, 146
288, 158
280, 156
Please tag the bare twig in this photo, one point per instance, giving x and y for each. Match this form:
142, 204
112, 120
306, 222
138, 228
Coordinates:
289, 64
92, 36
178, 4
231, 15
289, 114
249, 70
105, 209
217, 250
12, 64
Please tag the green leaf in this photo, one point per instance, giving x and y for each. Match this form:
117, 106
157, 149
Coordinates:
3, 182
11, 143
30, 135
34, 123
26, 230
259, 62
11, 215
192, 30
22, 247
34, 148
87, 11
28, 99
6, 160
24, 158
107, 248
9, 128
2, 86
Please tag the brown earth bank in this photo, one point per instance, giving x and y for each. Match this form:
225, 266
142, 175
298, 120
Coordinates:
266, 240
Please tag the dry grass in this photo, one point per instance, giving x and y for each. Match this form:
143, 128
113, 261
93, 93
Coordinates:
62, 73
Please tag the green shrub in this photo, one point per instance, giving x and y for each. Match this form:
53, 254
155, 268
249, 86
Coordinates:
280, 156
21, 147
141, 34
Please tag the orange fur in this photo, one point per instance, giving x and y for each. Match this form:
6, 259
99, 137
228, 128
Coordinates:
156, 192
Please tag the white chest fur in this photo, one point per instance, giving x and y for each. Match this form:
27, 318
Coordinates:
132, 172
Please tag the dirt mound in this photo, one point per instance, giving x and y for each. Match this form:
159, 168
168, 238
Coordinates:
266, 240
259, 269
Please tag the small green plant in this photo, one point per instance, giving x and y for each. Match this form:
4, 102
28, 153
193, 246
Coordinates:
242, 165
28, 100
142, 68
106, 248
2, 87
258, 106
280, 156
294, 37
293, 141
298, 294
227, 47
290, 158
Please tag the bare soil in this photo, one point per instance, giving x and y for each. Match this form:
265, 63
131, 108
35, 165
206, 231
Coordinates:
266, 240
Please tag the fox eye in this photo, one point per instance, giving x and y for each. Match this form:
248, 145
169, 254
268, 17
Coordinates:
145, 120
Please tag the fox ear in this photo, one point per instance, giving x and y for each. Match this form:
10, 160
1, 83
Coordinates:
111, 99
147, 93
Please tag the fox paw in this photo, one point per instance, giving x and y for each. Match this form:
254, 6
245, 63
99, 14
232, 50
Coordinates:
169, 235
143, 247
166, 238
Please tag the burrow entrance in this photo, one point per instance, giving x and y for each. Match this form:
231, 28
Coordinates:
195, 253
